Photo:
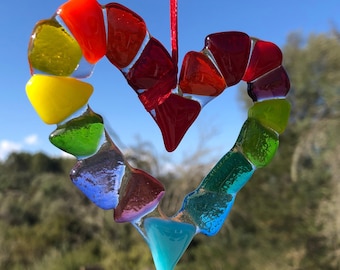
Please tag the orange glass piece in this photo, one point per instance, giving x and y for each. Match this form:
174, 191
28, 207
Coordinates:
199, 76
126, 32
85, 20
265, 57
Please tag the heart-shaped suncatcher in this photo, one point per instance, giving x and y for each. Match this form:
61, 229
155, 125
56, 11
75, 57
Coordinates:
64, 49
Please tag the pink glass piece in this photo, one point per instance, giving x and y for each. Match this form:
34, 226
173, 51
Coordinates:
265, 57
153, 64
126, 32
199, 76
271, 85
231, 52
174, 117
139, 197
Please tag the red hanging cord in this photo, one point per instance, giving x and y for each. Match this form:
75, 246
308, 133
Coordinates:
174, 30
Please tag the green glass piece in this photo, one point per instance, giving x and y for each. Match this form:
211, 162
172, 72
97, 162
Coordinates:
257, 143
167, 240
79, 136
273, 113
53, 50
229, 175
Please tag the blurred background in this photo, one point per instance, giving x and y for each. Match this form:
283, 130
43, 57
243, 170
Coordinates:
286, 217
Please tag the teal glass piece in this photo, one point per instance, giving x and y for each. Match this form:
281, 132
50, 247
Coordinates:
208, 210
257, 143
229, 175
167, 240
79, 136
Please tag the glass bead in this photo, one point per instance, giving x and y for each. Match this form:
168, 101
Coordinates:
274, 84
159, 92
139, 196
153, 64
272, 113
99, 177
257, 143
229, 175
85, 21
126, 32
265, 57
167, 240
199, 76
174, 117
55, 98
231, 52
79, 136
208, 210
52, 50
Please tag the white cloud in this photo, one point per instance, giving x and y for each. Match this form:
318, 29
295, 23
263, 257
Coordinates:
31, 139
7, 147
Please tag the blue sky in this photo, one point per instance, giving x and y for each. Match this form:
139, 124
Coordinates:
22, 129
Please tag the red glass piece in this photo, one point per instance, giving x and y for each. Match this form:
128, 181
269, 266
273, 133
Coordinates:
174, 117
231, 52
159, 92
271, 85
126, 32
139, 197
152, 65
86, 23
199, 76
265, 57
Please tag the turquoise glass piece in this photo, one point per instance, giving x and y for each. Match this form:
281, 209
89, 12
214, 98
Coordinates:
208, 210
229, 175
257, 143
167, 240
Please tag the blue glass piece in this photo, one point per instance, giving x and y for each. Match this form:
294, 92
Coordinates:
208, 210
99, 177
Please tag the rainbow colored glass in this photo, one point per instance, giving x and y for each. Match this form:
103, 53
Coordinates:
64, 49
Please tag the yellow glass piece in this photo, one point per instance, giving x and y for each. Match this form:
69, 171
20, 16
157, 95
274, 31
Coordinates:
55, 98
272, 113
53, 50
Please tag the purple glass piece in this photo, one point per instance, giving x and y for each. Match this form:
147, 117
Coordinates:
271, 85
99, 177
